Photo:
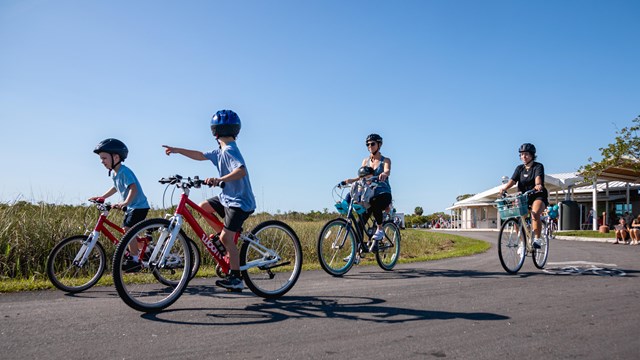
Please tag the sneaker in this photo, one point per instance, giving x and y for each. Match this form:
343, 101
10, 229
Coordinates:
520, 250
537, 244
130, 266
379, 235
231, 283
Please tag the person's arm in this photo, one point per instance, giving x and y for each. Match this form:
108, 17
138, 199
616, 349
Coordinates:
191, 154
133, 191
507, 186
538, 183
105, 195
236, 174
387, 170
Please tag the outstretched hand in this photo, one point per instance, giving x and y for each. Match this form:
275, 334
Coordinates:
169, 149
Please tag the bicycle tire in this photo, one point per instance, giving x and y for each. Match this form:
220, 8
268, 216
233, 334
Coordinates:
142, 290
277, 279
68, 277
512, 245
195, 261
336, 247
540, 256
388, 251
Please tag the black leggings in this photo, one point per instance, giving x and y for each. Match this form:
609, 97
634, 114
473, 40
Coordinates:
378, 204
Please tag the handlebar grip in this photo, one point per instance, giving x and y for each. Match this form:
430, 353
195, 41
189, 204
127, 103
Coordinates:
222, 184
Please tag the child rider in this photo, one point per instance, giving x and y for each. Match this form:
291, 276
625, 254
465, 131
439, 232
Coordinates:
112, 153
236, 201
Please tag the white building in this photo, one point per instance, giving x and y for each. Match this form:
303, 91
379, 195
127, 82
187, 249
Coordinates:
611, 197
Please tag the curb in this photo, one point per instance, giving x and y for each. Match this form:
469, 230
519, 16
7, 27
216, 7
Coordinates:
587, 239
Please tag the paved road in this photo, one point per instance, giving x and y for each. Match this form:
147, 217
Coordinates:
464, 308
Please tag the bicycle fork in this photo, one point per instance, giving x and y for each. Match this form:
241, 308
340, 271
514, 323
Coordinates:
165, 243
85, 249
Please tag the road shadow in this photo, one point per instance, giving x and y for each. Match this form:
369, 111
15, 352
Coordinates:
347, 308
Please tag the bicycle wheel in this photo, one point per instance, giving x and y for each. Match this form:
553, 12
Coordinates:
69, 277
389, 247
512, 245
195, 261
336, 247
540, 255
140, 288
281, 243
553, 230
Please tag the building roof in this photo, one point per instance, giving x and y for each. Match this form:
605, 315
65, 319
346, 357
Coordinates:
560, 183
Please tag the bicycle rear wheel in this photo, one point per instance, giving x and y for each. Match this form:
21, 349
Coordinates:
69, 277
512, 245
540, 255
281, 242
195, 261
336, 247
141, 287
389, 247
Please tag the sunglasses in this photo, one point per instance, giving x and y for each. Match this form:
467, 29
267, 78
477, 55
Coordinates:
369, 144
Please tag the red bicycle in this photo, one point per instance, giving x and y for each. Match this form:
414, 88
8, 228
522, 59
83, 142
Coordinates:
270, 255
78, 262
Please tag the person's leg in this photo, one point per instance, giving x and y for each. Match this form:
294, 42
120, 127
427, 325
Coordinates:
536, 210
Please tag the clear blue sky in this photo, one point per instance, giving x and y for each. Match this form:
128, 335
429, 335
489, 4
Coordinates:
454, 87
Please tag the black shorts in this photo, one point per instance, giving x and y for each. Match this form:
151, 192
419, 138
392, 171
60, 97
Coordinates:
134, 216
233, 217
542, 195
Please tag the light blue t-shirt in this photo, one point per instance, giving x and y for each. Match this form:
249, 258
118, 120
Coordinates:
122, 180
235, 193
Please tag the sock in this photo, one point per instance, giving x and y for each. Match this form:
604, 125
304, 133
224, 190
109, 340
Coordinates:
235, 273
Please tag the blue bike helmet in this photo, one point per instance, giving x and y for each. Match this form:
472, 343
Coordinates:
225, 123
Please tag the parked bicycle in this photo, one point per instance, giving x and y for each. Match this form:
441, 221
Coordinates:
344, 240
515, 239
78, 262
270, 255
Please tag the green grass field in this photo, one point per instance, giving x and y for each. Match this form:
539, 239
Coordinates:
28, 232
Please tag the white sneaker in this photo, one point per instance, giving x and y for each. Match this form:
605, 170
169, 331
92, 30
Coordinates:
379, 235
537, 244
520, 250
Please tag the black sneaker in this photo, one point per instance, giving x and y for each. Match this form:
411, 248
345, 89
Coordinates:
232, 283
130, 266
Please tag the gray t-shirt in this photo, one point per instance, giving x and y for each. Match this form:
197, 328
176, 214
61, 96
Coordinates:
235, 193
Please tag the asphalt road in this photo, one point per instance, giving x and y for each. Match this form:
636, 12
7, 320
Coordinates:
463, 308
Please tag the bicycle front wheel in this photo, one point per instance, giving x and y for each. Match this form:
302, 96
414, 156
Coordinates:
512, 245
336, 247
141, 286
275, 240
67, 275
540, 255
389, 247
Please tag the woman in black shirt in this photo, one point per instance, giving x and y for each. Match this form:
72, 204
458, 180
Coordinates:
530, 175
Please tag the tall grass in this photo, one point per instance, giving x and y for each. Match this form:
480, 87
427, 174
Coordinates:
28, 232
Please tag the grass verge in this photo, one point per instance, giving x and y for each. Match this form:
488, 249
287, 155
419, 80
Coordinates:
416, 246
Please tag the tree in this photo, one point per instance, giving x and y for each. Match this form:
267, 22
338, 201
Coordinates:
624, 151
418, 211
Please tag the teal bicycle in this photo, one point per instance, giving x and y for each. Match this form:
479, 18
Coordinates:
345, 240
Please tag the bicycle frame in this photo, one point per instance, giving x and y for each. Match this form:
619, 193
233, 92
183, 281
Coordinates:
102, 227
183, 214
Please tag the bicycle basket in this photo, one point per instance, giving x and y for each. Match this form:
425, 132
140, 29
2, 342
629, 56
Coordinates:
513, 206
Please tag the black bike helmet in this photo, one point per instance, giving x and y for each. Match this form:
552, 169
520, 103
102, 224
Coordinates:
526, 147
374, 137
225, 123
365, 171
112, 146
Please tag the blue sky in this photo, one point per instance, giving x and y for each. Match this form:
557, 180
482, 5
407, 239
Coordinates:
454, 87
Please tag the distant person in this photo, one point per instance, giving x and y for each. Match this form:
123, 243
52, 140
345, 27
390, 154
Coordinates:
381, 198
530, 175
622, 232
236, 202
635, 231
112, 153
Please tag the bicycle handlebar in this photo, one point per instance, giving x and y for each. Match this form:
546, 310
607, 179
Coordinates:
528, 192
179, 181
342, 184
